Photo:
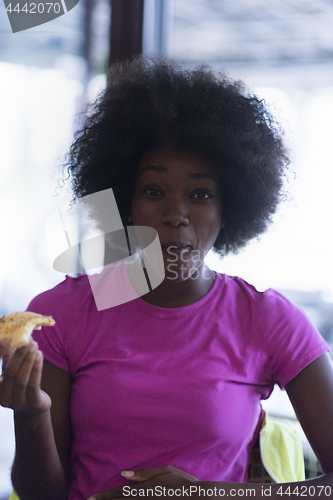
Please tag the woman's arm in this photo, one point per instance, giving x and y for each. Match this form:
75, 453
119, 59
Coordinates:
311, 394
41, 459
58, 383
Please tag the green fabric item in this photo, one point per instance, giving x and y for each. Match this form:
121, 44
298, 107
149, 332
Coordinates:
281, 451
13, 496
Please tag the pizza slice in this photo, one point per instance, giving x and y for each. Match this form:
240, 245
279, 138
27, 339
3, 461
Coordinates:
18, 326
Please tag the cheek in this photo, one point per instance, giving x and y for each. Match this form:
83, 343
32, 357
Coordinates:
142, 213
144, 218
210, 229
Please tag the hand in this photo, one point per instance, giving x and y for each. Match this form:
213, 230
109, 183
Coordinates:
20, 379
166, 477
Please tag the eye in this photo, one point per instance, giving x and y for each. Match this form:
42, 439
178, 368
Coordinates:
201, 195
152, 192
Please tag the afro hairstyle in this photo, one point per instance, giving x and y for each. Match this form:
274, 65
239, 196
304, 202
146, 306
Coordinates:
157, 102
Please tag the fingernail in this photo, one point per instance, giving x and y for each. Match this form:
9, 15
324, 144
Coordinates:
128, 473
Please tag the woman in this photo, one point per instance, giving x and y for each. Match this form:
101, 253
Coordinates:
168, 386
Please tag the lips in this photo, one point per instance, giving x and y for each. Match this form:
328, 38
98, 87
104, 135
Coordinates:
173, 248
175, 245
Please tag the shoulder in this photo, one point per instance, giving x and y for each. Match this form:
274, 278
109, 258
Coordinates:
270, 317
71, 294
271, 325
239, 290
69, 303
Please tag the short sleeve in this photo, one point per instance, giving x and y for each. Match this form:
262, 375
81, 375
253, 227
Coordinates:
65, 303
50, 339
293, 341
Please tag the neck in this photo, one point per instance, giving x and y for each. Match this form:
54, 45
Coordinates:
170, 294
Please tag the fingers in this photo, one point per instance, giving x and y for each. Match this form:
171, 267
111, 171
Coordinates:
177, 479
23, 370
138, 476
6, 358
105, 495
145, 474
114, 493
16, 364
172, 477
21, 378
35, 380
4, 345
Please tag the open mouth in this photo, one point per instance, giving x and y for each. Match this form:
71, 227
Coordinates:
175, 248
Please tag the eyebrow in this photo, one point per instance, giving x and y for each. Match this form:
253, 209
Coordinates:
161, 168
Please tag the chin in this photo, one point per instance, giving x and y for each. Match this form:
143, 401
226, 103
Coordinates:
177, 273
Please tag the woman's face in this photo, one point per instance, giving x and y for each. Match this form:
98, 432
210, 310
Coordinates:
179, 195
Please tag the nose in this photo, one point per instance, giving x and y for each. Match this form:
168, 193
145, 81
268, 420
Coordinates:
175, 214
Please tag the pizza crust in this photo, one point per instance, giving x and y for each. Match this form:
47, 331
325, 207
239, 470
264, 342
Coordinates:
18, 326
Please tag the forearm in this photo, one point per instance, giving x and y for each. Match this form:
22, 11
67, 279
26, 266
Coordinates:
318, 488
37, 471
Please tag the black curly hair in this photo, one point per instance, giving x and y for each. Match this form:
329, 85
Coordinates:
156, 102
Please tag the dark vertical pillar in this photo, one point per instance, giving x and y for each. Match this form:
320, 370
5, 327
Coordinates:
87, 40
126, 29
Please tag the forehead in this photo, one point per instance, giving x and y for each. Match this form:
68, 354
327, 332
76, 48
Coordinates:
177, 161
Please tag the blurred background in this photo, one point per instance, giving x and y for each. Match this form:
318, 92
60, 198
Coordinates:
284, 53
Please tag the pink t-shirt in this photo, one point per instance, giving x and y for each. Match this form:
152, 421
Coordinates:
157, 386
